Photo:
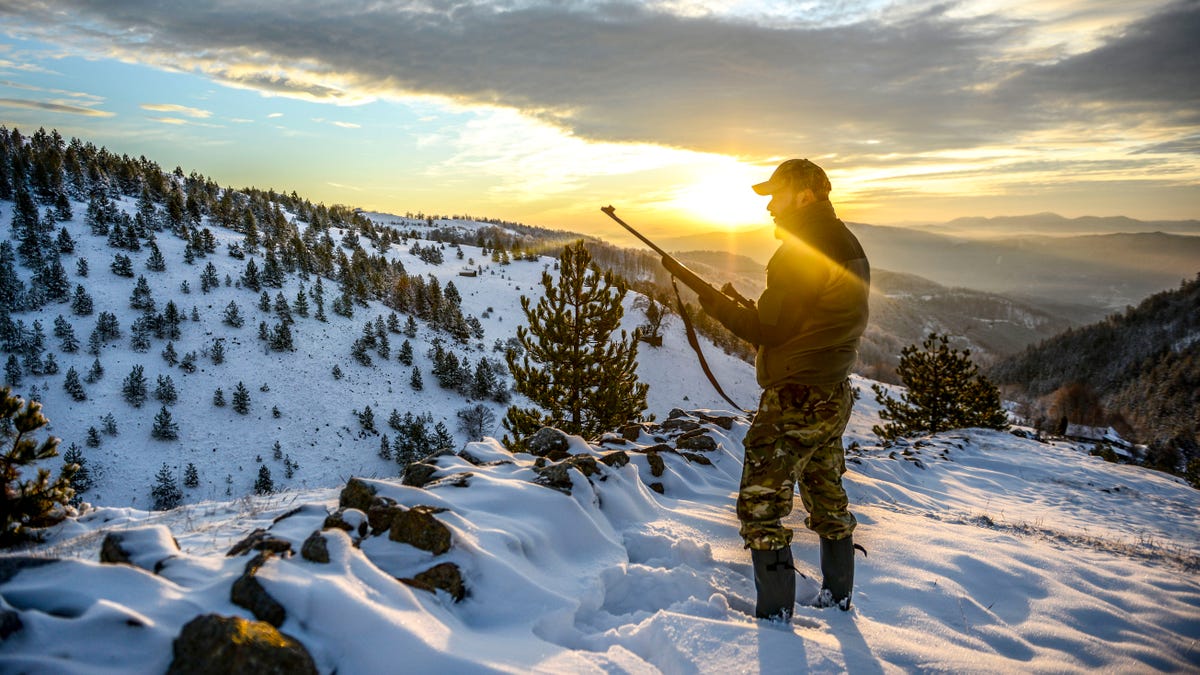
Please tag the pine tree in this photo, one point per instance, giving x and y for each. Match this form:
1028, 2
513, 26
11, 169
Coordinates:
264, 485
31, 503
95, 372
405, 354
241, 399
165, 493
81, 480
13, 371
366, 419
337, 372
945, 391
191, 477
133, 388
109, 424
164, 390
165, 429
169, 355
219, 398
73, 386
92, 438
574, 368
415, 380
217, 353
233, 315
385, 448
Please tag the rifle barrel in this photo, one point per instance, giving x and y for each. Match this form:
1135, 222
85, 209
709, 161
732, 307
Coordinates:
611, 212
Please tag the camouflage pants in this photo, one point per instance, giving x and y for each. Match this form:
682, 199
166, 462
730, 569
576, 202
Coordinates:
796, 436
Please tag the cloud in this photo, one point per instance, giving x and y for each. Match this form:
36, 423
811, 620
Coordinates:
346, 125
761, 84
51, 106
178, 109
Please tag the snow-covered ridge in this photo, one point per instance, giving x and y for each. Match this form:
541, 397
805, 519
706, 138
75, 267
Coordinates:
988, 552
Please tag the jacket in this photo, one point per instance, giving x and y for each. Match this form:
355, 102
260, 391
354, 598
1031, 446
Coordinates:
807, 323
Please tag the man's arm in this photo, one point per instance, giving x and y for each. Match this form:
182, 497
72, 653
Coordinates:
780, 310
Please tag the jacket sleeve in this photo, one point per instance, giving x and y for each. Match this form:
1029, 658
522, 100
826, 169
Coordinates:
780, 310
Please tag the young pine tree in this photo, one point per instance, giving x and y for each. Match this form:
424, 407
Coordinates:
165, 493
165, 429
578, 373
31, 503
945, 391
241, 399
264, 485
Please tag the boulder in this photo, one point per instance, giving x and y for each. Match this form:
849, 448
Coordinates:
657, 465
381, 515
314, 549
417, 527
444, 576
249, 594
420, 473
145, 547
260, 540
697, 458
550, 443
680, 424
229, 644
616, 459
658, 487
699, 442
723, 421
349, 520
357, 495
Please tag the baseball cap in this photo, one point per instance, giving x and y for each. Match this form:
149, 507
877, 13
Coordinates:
795, 173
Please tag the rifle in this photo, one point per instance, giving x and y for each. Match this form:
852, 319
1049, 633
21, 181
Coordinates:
679, 270
694, 282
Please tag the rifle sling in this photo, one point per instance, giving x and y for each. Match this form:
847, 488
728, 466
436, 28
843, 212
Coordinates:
695, 343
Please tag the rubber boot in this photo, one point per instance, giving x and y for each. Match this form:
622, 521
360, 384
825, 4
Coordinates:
775, 582
837, 568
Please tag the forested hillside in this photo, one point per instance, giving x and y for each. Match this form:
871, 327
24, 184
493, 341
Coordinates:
1139, 370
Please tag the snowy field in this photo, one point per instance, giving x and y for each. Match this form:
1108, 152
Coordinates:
987, 553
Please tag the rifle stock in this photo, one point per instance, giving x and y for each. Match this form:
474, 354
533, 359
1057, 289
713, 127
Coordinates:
679, 270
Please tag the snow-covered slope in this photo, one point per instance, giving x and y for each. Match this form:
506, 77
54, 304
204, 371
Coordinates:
316, 428
987, 553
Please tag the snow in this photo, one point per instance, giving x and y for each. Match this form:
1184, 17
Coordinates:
987, 551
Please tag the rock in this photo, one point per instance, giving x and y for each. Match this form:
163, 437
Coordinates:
616, 459
10, 622
631, 432
445, 576
145, 547
556, 476
260, 540
357, 495
723, 421
458, 480
417, 527
380, 516
229, 644
698, 459
550, 443
420, 473
680, 424
676, 413
314, 549
657, 465
699, 442
349, 520
610, 438
658, 487
249, 594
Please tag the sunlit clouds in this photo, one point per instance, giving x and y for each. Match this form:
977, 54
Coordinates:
542, 111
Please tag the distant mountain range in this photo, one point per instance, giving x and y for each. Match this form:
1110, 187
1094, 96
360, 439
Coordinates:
1107, 271
1052, 225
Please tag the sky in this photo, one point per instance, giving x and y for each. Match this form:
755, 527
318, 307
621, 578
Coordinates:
542, 111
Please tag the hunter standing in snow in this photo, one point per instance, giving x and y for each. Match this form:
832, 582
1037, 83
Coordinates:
806, 326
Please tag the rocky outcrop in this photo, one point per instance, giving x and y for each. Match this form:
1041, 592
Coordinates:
444, 576
417, 527
146, 547
261, 540
249, 594
213, 643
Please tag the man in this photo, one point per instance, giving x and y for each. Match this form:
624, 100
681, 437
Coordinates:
806, 326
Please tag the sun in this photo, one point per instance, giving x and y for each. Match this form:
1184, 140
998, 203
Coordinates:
719, 193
